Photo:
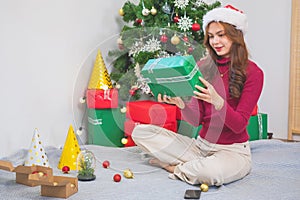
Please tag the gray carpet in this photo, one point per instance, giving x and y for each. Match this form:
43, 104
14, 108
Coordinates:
275, 175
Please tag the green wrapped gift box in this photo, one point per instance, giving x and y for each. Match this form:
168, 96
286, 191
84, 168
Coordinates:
106, 127
258, 127
185, 128
172, 76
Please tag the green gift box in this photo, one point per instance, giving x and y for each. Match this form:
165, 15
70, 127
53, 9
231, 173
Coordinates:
172, 76
106, 127
258, 127
185, 128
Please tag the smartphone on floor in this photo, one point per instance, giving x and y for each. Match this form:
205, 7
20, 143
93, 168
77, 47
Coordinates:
192, 194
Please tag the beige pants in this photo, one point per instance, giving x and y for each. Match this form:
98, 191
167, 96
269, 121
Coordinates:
197, 161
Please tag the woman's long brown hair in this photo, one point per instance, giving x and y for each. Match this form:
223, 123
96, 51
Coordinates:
238, 59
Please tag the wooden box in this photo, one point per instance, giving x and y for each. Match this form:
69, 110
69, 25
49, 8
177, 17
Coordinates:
32, 175
60, 187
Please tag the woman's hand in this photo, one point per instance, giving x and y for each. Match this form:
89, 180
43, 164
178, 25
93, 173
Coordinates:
171, 100
209, 94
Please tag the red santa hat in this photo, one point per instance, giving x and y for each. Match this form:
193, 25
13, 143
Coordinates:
228, 14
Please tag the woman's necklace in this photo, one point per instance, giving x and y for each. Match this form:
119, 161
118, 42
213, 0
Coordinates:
219, 64
222, 74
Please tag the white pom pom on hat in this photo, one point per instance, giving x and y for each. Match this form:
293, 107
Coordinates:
227, 14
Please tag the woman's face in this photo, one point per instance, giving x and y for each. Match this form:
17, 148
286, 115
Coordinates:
218, 39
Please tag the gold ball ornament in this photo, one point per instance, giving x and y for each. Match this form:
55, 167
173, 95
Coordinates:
153, 11
121, 12
79, 131
82, 100
124, 141
117, 86
123, 109
204, 187
175, 40
128, 173
41, 174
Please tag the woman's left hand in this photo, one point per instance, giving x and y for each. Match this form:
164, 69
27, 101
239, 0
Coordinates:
209, 94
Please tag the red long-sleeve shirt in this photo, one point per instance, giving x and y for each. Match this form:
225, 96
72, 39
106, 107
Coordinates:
228, 125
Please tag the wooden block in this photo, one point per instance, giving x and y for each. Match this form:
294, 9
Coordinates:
60, 187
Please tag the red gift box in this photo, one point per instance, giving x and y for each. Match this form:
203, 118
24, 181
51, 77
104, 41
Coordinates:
151, 112
255, 111
130, 142
129, 126
179, 116
102, 98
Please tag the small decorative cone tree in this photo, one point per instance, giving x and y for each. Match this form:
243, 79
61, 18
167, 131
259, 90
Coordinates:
70, 151
36, 154
100, 78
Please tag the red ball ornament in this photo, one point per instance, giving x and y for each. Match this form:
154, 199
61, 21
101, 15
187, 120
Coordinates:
132, 92
117, 177
164, 38
185, 38
121, 46
106, 164
196, 27
65, 169
176, 19
190, 49
138, 21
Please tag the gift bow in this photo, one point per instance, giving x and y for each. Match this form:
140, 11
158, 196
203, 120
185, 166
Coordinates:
106, 95
233, 8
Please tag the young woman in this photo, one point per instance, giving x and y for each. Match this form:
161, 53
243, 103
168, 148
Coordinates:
233, 84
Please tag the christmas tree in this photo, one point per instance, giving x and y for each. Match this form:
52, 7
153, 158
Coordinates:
155, 29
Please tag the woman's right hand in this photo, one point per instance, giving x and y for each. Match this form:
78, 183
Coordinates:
171, 100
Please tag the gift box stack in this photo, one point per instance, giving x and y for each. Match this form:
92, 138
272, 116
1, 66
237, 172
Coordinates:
105, 119
148, 112
173, 76
258, 125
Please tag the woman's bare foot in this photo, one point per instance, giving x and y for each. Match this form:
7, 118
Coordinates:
166, 166
156, 162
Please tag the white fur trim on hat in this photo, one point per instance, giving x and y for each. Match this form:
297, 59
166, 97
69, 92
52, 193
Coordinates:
229, 15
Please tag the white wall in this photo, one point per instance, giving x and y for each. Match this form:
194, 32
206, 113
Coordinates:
43, 46
47, 49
